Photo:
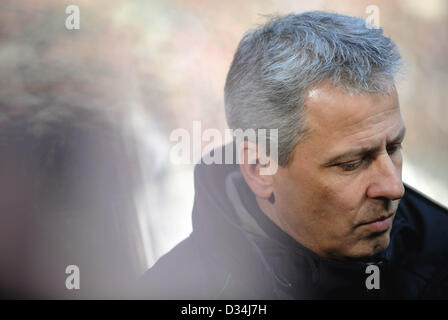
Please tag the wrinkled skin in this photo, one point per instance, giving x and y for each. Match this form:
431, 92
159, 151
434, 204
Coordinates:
326, 204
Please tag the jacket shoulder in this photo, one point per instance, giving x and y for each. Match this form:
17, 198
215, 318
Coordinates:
428, 218
421, 242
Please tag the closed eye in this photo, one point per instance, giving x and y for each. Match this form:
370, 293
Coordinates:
353, 165
350, 166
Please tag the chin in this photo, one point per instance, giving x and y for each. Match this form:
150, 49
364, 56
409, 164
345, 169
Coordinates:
377, 244
371, 246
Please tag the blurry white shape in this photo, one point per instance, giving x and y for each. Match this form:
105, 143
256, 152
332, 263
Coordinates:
173, 223
429, 9
432, 187
165, 201
150, 148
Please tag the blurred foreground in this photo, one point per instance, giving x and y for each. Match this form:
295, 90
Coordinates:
85, 119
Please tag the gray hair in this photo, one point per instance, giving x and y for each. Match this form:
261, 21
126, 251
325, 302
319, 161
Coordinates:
276, 63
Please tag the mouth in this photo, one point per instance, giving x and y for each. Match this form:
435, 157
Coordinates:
379, 225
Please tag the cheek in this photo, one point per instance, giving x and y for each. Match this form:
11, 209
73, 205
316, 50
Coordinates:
299, 185
288, 191
345, 200
351, 204
295, 194
316, 196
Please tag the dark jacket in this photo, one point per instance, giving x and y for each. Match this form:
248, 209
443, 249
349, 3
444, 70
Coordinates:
236, 252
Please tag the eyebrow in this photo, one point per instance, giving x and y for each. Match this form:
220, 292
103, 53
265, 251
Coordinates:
363, 150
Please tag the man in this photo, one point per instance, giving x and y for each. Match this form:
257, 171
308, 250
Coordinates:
335, 220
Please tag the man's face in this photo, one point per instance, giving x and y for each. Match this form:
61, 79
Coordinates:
339, 194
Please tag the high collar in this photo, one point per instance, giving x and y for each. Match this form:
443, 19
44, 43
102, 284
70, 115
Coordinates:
293, 266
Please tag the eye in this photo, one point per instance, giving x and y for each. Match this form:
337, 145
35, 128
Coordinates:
350, 166
394, 148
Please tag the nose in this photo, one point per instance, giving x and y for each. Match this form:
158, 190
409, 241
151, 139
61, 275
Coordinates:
386, 181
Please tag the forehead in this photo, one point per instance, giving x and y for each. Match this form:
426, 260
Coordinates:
337, 118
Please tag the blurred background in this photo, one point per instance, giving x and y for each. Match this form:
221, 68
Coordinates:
86, 115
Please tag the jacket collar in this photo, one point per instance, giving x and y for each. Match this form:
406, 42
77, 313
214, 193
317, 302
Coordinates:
298, 272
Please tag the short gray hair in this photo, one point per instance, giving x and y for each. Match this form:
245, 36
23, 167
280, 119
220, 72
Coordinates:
276, 63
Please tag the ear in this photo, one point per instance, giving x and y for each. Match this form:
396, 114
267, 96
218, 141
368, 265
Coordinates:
250, 165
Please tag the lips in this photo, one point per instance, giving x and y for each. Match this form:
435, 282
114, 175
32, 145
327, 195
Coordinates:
379, 225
